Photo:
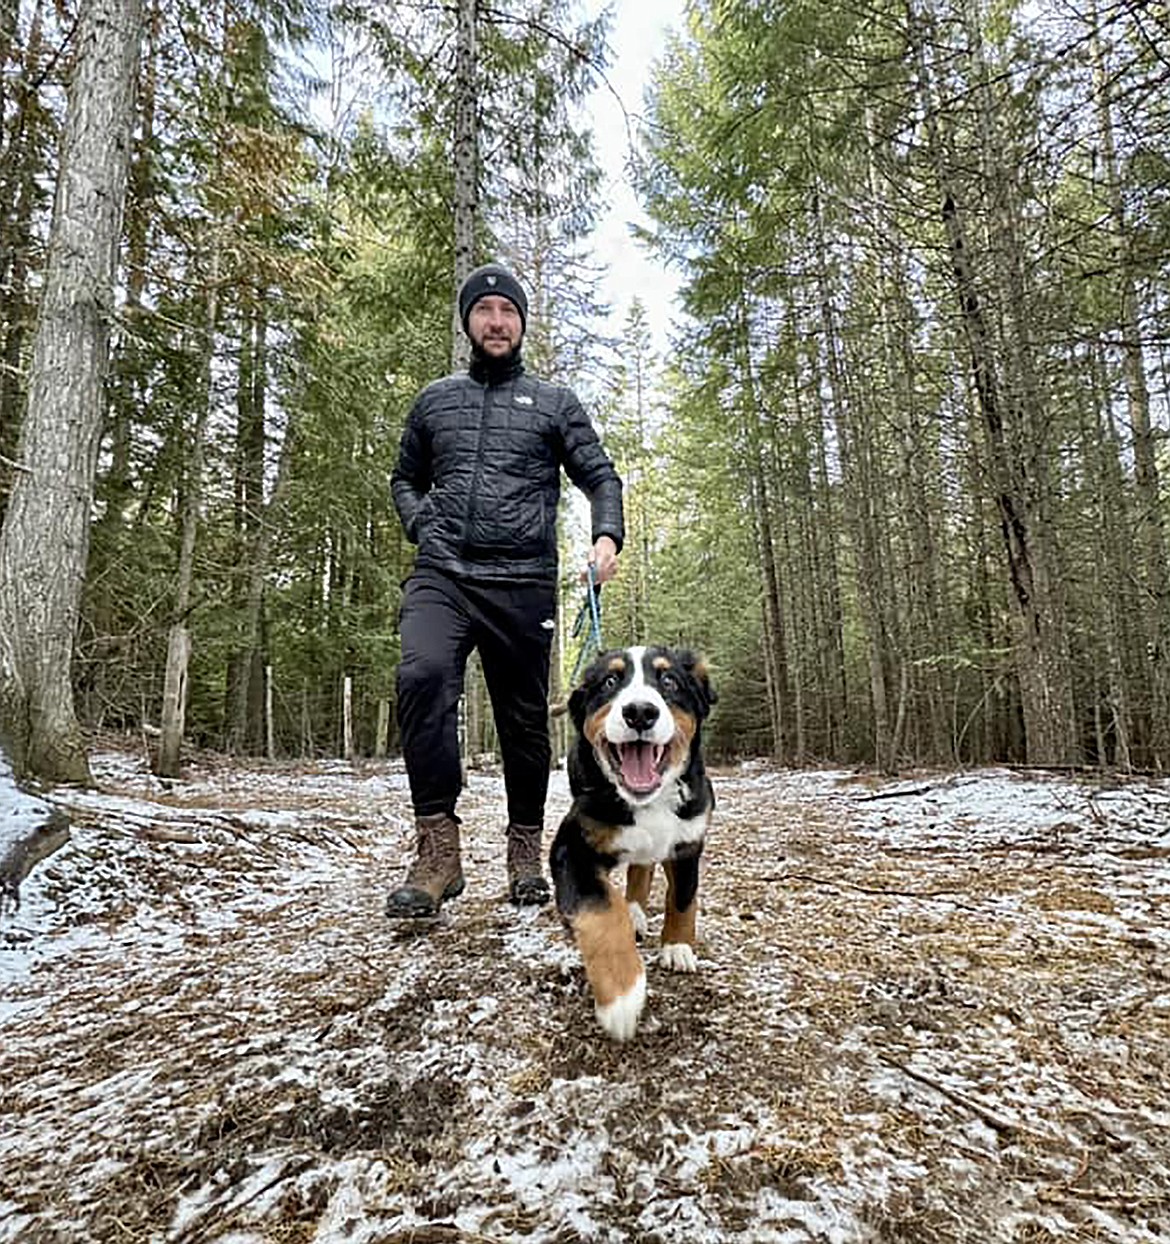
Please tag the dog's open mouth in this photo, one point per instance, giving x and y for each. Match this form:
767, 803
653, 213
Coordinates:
640, 765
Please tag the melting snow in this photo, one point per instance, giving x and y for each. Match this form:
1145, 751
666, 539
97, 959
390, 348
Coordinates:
932, 1009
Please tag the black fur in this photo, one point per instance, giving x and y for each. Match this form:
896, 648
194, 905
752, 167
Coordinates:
586, 848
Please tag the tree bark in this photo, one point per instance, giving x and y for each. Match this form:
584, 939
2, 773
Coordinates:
22, 117
45, 538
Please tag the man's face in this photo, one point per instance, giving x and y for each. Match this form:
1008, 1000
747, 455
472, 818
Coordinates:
494, 325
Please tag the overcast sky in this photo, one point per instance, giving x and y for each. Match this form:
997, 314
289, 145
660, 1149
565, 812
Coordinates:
637, 38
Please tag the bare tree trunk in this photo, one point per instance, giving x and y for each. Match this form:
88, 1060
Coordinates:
466, 212
45, 538
1151, 535
174, 704
129, 396
776, 654
254, 520
347, 749
821, 620
643, 567
1118, 614
257, 563
911, 495
859, 498
466, 160
833, 670
1015, 437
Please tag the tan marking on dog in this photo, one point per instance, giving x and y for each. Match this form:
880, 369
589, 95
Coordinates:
594, 727
679, 926
617, 665
680, 743
605, 938
662, 663
684, 724
638, 880
599, 834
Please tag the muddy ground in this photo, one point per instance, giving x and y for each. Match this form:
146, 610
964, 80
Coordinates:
936, 1009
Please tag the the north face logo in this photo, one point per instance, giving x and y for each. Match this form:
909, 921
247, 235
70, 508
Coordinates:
492, 280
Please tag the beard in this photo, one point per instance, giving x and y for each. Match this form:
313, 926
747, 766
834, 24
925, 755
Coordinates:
496, 338
495, 363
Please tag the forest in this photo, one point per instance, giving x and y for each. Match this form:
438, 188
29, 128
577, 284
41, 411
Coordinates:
901, 475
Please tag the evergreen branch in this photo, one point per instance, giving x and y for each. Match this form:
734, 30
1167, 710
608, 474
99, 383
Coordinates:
581, 54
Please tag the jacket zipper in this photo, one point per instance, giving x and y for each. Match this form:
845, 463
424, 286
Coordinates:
471, 496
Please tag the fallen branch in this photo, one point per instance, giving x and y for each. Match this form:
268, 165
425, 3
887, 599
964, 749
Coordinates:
881, 891
899, 793
1101, 772
218, 1215
1005, 1127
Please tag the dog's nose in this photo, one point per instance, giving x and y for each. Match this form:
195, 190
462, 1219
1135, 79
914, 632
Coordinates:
639, 715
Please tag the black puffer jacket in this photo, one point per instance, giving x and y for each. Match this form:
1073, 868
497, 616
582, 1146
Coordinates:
478, 475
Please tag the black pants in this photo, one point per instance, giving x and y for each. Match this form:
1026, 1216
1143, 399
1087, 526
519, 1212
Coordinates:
512, 627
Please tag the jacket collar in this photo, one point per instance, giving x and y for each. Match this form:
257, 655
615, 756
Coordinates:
492, 371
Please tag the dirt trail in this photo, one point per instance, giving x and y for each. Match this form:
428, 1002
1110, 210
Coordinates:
942, 1015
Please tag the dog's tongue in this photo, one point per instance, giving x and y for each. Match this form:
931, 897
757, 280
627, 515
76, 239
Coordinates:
639, 771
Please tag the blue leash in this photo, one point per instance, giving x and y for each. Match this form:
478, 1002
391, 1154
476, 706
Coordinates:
591, 609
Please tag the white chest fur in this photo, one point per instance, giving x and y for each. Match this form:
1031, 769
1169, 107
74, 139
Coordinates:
657, 830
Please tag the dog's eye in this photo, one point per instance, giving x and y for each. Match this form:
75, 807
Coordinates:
668, 681
610, 681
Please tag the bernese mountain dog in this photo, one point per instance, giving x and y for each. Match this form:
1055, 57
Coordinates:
641, 796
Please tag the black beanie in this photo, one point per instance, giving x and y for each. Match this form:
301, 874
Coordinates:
492, 278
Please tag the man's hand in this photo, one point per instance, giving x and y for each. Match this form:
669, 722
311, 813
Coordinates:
603, 558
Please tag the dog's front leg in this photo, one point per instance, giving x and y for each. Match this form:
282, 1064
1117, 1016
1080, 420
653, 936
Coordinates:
682, 904
603, 929
605, 938
639, 878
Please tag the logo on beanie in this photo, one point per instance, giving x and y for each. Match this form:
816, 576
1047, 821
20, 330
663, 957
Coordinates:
491, 280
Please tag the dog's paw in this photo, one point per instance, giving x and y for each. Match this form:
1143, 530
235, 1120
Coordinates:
619, 1018
641, 924
679, 957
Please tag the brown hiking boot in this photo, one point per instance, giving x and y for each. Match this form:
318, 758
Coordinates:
436, 873
526, 886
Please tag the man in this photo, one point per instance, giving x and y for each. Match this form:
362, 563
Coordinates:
476, 487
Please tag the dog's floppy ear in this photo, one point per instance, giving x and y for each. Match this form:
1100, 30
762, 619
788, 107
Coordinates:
590, 677
696, 666
577, 706
577, 702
